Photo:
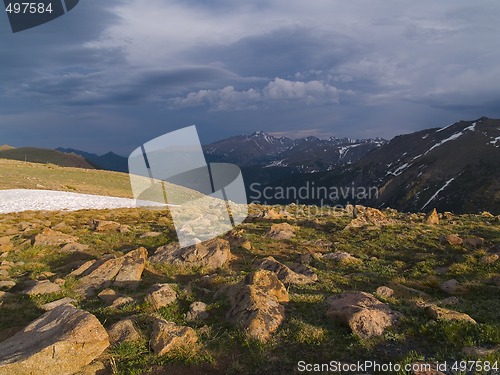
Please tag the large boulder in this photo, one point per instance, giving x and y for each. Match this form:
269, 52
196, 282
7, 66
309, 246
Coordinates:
255, 304
124, 271
211, 254
167, 336
362, 312
61, 341
288, 275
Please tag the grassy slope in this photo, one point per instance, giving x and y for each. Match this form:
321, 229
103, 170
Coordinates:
21, 175
407, 253
42, 155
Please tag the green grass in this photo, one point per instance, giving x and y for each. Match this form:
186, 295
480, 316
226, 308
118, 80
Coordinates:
408, 253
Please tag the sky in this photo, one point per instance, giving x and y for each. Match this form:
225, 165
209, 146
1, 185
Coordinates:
111, 75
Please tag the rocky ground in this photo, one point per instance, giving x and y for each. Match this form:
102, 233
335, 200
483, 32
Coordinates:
103, 292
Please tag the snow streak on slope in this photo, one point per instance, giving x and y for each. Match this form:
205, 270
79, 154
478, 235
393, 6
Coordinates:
437, 192
452, 137
18, 200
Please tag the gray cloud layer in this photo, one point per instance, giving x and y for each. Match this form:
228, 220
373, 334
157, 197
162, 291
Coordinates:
110, 75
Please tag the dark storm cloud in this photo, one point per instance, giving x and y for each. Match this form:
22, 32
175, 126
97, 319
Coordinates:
112, 73
281, 52
119, 87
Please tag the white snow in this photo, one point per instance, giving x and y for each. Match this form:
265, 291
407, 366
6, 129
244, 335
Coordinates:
399, 170
18, 200
495, 141
345, 149
446, 127
437, 192
450, 138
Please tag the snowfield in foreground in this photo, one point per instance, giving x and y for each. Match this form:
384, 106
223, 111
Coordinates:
18, 200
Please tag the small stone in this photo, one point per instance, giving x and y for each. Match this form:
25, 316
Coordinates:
167, 336
247, 245
474, 242
105, 226
489, 259
108, 296
151, 234
124, 229
283, 231
7, 284
46, 275
75, 247
340, 256
452, 239
35, 287
432, 218
59, 281
197, 311
476, 351
442, 313
384, 291
124, 331
450, 301
451, 286
122, 301
161, 295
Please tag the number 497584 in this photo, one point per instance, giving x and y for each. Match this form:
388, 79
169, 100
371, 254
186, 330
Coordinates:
32, 8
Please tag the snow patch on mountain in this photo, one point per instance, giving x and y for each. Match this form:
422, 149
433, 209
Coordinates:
437, 192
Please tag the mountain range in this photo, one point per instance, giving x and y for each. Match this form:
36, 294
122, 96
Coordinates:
454, 168
309, 154
109, 161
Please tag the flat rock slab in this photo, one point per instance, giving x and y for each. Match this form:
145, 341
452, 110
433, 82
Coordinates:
124, 272
50, 237
61, 341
